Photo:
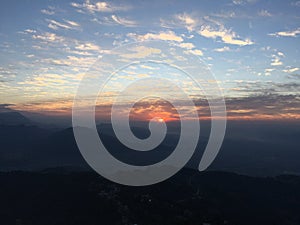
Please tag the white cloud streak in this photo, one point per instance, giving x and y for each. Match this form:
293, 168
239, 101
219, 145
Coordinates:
227, 36
291, 70
99, 6
224, 49
47, 12
165, 36
55, 25
292, 33
123, 21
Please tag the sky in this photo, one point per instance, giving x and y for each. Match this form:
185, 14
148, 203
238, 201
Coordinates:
250, 46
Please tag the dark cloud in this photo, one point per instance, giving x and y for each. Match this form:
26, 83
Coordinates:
268, 105
5, 108
260, 104
265, 88
256, 106
294, 76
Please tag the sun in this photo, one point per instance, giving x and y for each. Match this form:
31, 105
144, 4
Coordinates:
160, 120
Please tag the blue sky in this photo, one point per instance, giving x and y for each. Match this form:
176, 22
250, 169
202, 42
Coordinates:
251, 46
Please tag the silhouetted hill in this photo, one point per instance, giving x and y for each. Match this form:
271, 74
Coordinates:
17, 143
14, 118
188, 198
57, 149
57, 194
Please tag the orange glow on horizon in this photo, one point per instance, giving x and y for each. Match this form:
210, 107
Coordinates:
149, 110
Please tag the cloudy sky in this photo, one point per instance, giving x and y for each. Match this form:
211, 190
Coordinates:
251, 47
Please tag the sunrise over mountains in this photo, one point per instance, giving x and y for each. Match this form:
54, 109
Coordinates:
162, 112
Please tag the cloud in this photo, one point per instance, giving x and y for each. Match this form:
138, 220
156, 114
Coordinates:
258, 87
291, 70
293, 76
123, 21
68, 25
187, 21
49, 37
85, 53
264, 106
73, 61
141, 52
243, 2
65, 46
165, 36
268, 71
29, 31
224, 49
5, 108
190, 48
225, 35
206, 27
146, 67
7, 73
276, 61
255, 107
264, 13
237, 2
56, 107
100, 6
226, 14
195, 52
293, 33
45, 80
72, 23
115, 20
47, 12
187, 45
280, 54
55, 25
87, 47
183, 20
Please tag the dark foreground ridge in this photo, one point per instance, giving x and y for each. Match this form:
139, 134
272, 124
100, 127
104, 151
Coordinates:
59, 197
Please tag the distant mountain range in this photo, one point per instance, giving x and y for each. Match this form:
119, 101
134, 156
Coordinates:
253, 148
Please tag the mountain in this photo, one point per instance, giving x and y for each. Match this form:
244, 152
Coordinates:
49, 121
188, 198
17, 143
13, 118
248, 148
